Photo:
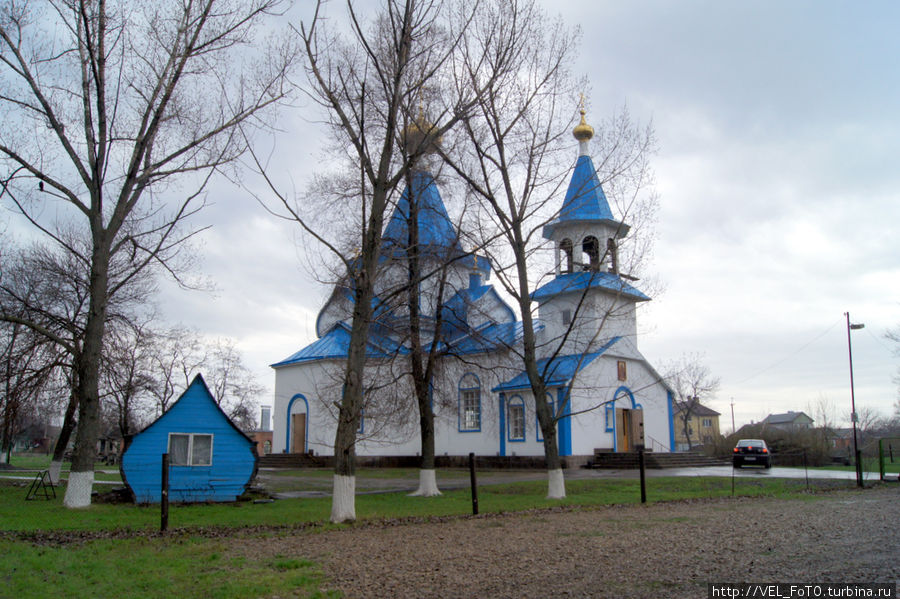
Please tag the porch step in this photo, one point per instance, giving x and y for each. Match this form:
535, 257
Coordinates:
630, 460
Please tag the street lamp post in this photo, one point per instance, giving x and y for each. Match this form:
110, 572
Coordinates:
853, 417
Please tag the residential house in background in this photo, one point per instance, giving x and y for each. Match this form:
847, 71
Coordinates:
702, 426
789, 421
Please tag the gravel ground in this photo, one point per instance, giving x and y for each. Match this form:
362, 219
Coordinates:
656, 550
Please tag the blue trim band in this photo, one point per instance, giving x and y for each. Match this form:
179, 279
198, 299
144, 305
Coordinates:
671, 421
502, 424
565, 423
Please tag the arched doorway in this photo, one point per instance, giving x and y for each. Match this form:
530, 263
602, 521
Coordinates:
628, 421
297, 425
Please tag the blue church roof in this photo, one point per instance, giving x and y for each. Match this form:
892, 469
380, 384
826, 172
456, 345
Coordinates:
585, 199
335, 345
489, 338
557, 371
579, 281
435, 230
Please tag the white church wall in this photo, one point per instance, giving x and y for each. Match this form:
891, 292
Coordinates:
597, 319
598, 383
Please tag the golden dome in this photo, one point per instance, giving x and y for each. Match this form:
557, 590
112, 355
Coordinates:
420, 132
583, 131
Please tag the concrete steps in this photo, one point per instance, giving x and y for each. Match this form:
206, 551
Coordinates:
630, 460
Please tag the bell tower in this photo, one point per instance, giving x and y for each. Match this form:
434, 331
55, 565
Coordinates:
588, 299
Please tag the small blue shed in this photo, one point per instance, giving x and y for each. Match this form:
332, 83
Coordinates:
210, 459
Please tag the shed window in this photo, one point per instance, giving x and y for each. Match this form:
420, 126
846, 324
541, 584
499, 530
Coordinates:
189, 449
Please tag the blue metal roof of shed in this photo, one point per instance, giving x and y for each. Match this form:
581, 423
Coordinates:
579, 281
557, 371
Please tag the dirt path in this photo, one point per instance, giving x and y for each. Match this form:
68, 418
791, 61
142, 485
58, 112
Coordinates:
657, 550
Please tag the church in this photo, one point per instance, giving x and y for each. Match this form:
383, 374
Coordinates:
605, 394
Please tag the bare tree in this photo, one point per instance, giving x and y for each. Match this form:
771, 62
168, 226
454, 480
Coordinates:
512, 154
693, 384
368, 83
106, 105
27, 365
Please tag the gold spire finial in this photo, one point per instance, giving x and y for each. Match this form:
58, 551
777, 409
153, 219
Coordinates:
419, 134
583, 131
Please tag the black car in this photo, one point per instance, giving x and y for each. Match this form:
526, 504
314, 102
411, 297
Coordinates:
752, 452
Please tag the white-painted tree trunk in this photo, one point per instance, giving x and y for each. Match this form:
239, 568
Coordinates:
427, 484
78, 489
556, 484
54, 469
343, 499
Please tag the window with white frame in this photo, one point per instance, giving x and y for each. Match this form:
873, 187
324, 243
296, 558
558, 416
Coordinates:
537, 422
516, 419
190, 449
470, 403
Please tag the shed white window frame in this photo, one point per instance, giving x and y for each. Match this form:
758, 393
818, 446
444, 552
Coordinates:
196, 454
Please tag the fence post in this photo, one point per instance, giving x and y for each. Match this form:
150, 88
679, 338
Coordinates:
473, 483
164, 496
643, 476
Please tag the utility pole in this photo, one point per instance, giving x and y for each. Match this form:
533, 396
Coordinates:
733, 428
853, 417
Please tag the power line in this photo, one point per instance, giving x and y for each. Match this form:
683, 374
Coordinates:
791, 355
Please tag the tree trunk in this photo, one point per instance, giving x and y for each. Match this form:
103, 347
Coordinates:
421, 375
343, 504
65, 433
556, 486
87, 373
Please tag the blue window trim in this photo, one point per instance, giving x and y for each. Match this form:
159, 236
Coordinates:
287, 434
459, 403
502, 427
538, 435
362, 422
671, 402
515, 400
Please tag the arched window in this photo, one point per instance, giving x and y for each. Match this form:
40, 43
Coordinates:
552, 406
591, 248
565, 247
469, 404
515, 422
613, 254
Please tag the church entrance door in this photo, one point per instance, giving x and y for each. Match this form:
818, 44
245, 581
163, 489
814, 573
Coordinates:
298, 433
629, 429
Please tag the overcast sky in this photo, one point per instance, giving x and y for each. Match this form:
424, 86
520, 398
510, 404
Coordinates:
779, 136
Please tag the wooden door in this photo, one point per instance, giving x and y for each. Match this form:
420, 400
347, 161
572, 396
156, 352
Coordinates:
298, 433
623, 438
637, 429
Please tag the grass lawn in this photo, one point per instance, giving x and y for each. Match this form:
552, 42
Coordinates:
869, 465
114, 549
